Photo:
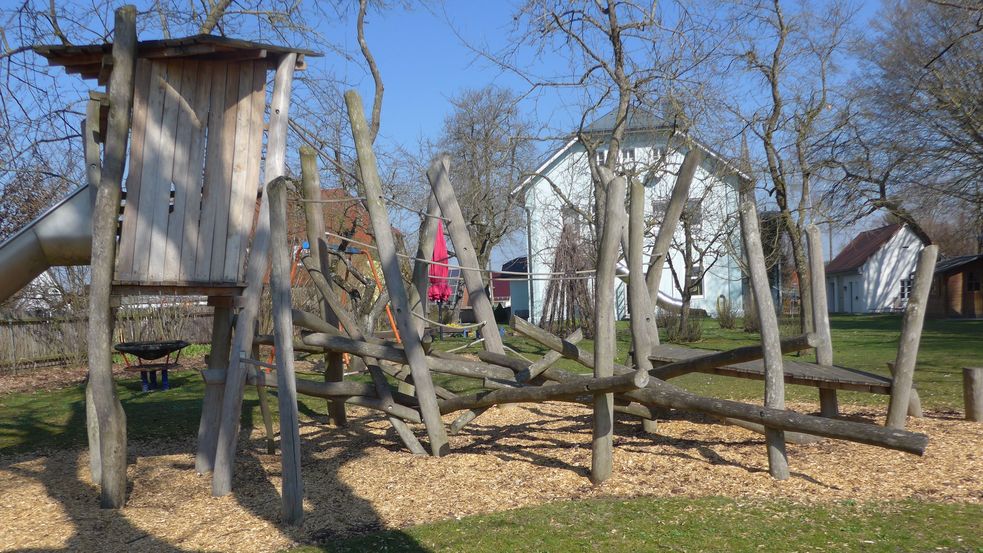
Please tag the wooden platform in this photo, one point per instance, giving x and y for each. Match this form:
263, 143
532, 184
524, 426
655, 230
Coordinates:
796, 372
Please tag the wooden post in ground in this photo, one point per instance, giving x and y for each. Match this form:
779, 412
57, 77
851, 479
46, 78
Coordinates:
259, 259
93, 172
828, 405
644, 330
911, 333
382, 228
770, 338
427, 236
105, 214
334, 364
439, 175
914, 402
292, 506
667, 227
211, 405
973, 393
264, 402
602, 443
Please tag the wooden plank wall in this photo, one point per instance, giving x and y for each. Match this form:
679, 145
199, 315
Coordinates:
194, 171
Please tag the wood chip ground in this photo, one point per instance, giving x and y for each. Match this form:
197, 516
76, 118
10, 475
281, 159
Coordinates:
358, 480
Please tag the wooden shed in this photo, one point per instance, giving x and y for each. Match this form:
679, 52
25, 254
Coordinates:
957, 289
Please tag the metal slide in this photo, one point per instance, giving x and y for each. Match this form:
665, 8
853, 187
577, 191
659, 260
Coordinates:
60, 236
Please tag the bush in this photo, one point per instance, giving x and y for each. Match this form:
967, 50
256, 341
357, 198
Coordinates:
693, 331
726, 315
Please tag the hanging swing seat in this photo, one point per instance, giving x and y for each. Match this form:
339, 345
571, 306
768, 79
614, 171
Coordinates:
152, 351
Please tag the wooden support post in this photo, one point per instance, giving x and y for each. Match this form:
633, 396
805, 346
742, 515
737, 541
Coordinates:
93, 172
427, 236
259, 259
211, 405
667, 227
914, 401
108, 411
382, 228
911, 334
644, 330
334, 364
292, 506
439, 175
770, 338
973, 393
602, 443
828, 405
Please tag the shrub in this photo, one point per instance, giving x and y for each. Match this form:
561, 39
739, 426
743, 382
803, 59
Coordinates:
726, 315
692, 332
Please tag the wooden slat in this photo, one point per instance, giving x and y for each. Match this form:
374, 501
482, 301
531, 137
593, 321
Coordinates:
148, 180
171, 267
141, 92
211, 190
226, 155
238, 194
151, 237
256, 130
194, 172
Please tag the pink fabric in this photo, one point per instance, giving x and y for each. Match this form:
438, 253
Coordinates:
439, 289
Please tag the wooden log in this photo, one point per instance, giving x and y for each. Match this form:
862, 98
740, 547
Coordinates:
421, 269
93, 173
334, 364
674, 210
551, 357
644, 331
108, 410
292, 506
375, 205
828, 405
662, 395
535, 394
439, 176
602, 442
790, 437
259, 260
770, 338
211, 405
911, 333
973, 393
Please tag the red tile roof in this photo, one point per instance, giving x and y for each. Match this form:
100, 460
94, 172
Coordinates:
859, 250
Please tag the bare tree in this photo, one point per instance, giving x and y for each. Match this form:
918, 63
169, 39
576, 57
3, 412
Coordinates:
793, 56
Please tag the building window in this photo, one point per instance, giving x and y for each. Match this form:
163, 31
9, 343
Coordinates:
906, 288
696, 281
972, 282
601, 156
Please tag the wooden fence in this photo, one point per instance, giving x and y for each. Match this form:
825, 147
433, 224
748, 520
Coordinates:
32, 342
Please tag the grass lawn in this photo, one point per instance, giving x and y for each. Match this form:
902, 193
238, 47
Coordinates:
679, 524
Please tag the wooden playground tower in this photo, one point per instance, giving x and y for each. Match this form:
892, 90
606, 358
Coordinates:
189, 225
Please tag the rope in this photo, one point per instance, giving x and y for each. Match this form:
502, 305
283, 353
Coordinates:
331, 200
466, 346
450, 327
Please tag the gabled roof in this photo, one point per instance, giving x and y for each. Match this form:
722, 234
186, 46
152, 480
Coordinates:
952, 263
638, 120
859, 250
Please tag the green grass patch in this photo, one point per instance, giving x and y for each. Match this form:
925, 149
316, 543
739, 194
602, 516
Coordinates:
681, 524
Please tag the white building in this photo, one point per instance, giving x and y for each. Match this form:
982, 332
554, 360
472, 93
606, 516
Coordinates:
713, 196
873, 273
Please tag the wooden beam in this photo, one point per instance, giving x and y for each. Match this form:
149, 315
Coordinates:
911, 334
374, 203
828, 405
105, 215
770, 337
334, 364
292, 498
973, 393
259, 259
667, 227
211, 405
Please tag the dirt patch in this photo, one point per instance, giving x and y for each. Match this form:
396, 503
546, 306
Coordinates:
359, 480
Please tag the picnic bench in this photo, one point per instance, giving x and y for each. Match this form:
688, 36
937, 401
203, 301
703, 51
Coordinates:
152, 351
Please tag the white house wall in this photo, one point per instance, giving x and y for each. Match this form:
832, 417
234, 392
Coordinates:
570, 173
883, 271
